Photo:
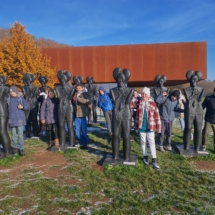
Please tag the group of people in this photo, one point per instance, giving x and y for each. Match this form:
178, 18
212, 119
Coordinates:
150, 116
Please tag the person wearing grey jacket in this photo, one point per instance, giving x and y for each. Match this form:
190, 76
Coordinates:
49, 116
168, 107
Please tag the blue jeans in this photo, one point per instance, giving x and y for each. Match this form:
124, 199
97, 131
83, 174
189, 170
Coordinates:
81, 130
17, 131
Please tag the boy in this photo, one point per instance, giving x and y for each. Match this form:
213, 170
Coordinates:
169, 105
148, 122
17, 106
81, 110
105, 103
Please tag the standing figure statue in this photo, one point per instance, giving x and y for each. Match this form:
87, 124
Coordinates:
65, 94
193, 111
160, 89
77, 80
43, 80
4, 136
92, 90
43, 95
31, 93
121, 97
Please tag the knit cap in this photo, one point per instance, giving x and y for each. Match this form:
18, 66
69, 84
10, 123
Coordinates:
13, 89
176, 93
146, 90
102, 88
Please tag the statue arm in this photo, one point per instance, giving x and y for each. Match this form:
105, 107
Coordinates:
72, 92
129, 97
201, 95
112, 95
185, 94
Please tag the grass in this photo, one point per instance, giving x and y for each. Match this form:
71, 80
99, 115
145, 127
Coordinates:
176, 189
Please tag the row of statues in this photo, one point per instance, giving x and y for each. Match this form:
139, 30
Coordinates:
121, 96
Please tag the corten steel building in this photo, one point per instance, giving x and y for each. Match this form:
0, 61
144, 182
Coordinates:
144, 61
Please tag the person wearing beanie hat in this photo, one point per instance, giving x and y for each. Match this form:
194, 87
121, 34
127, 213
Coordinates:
168, 107
105, 103
209, 104
17, 107
148, 122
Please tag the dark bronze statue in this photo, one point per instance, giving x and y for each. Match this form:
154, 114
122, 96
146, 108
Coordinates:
31, 93
77, 80
4, 137
193, 111
160, 89
43, 80
121, 97
65, 94
93, 92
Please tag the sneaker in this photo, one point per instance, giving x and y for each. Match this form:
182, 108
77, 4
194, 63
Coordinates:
77, 144
145, 160
21, 152
14, 151
169, 148
203, 148
86, 148
162, 149
155, 164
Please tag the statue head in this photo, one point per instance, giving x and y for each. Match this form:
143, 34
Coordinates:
64, 76
121, 76
90, 80
43, 80
193, 77
160, 80
3, 79
27, 79
77, 79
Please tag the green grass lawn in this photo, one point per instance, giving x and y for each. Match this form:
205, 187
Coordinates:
175, 189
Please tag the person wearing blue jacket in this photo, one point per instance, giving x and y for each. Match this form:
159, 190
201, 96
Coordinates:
17, 106
105, 103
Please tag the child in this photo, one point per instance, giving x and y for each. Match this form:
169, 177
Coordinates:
17, 106
49, 116
148, 122
169, 105
81, 112
105, 103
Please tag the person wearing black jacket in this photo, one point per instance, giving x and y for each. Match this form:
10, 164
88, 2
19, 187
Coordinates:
209, 104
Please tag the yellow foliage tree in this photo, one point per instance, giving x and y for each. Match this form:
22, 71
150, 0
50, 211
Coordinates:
19, 54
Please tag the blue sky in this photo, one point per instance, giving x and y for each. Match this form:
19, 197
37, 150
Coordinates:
115, 22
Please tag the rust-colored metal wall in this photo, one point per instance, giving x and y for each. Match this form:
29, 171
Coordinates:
144, 61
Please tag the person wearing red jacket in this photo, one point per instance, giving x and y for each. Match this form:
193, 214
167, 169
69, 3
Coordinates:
148, 122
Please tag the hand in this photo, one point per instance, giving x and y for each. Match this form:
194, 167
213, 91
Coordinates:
165, 93
90, 106
20, 107
74, 98
43, 121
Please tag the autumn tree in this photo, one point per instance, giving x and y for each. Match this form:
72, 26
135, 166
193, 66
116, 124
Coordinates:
19, 54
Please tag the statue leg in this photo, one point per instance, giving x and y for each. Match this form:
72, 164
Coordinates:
197, 131
205, 133
69, 119
62, 133
187, 130
5, 139
94, 112
34, 113
126, 126
115, 137
28, 123
89, 116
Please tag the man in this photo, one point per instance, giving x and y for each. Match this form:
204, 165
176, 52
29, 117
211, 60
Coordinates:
209, 104
148, 122
81, 112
